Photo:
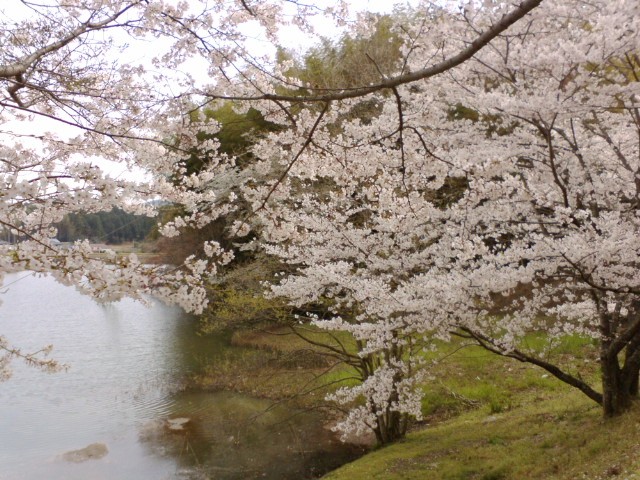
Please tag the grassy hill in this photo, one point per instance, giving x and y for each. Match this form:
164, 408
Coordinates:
490, 418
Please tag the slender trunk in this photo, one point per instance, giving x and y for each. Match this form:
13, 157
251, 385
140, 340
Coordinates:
391, 427
379, 431
631, 367
612, 399
391, 424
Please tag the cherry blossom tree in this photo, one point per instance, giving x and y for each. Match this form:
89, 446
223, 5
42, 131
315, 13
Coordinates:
550, 217
360, 210
513, 175
77, 91
502, 157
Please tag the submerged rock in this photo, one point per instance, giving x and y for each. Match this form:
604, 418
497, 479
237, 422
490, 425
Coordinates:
177, 423
90, 452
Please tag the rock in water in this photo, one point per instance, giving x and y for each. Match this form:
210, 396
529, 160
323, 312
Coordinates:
90, 452
177, 423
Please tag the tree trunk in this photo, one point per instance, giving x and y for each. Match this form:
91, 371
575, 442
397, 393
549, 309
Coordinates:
392, 426
620, 343
633, 386
619, 386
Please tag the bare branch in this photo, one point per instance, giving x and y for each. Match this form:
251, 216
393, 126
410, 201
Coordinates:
491, 345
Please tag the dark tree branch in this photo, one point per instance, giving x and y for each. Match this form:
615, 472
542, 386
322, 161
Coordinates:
491, 345
307, 142
21, 66
339, 352
246, 7
478, 44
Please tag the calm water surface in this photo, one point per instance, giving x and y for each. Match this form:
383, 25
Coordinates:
127, 362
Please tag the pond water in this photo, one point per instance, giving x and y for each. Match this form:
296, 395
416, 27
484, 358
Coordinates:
127, 363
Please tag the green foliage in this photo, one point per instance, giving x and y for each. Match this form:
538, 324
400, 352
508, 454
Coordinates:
174, 250
616, 70
234, 308
237, 299
450, 192
495, 124
460, 112
353, 60
237, 133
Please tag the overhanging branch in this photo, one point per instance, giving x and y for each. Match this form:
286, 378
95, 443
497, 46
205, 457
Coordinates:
491, 345
389, 83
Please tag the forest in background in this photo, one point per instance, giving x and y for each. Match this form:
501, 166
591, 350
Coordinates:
114, 227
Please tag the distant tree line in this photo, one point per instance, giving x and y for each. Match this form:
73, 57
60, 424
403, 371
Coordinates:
116, 226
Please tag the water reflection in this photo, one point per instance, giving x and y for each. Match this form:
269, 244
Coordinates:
127, 365
236, 437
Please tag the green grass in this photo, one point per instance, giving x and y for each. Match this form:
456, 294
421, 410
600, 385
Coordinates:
560, 436
491, 418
